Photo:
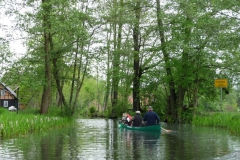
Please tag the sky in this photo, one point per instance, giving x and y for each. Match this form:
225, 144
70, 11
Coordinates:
10, 34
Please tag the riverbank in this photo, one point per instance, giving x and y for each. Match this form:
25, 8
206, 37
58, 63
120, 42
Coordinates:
227, 120
16, 124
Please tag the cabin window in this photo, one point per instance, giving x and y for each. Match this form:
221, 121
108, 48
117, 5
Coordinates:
5, 103
2, 92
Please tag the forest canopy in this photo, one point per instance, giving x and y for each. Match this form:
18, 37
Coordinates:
116, 55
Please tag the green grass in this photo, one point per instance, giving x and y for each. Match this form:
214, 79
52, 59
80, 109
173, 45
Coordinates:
13, 124
230, 121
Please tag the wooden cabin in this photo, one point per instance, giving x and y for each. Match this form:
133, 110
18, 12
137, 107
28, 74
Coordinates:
7, 97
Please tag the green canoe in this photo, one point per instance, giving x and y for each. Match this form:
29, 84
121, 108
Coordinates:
156, 127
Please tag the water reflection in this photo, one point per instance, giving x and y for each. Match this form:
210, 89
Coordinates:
191, 142
101, 139
140, 144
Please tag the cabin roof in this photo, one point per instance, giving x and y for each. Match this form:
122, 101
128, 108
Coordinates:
9, 89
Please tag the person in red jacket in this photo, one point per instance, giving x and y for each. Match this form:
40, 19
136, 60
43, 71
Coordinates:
129, 117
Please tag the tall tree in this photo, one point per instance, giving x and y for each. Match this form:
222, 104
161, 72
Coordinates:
189, 49
136, 52
47, 35
171, 110
117, 53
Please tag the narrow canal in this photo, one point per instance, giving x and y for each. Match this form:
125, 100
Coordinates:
100, 139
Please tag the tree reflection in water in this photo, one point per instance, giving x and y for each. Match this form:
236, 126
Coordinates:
141, 144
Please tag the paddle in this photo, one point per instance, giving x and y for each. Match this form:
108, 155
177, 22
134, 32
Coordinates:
166, 130
164, 124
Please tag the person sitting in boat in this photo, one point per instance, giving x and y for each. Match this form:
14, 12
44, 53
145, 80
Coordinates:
128, 119
137, 119
151, 117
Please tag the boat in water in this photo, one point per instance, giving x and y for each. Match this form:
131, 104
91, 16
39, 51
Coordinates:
156, 127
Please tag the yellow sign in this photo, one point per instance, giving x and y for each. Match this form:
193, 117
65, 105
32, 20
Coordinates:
221, 83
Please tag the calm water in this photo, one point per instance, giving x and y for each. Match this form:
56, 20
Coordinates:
96, 139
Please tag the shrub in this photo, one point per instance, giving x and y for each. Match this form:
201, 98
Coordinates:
92, 110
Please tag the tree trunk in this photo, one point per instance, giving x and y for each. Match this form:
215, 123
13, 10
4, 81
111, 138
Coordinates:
46, 97
184, 70
108, 83
116, 58
80, 79
136, 67
74, 74
58, 82
172, 107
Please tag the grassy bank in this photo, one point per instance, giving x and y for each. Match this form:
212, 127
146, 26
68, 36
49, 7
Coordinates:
14, 124
230, 121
